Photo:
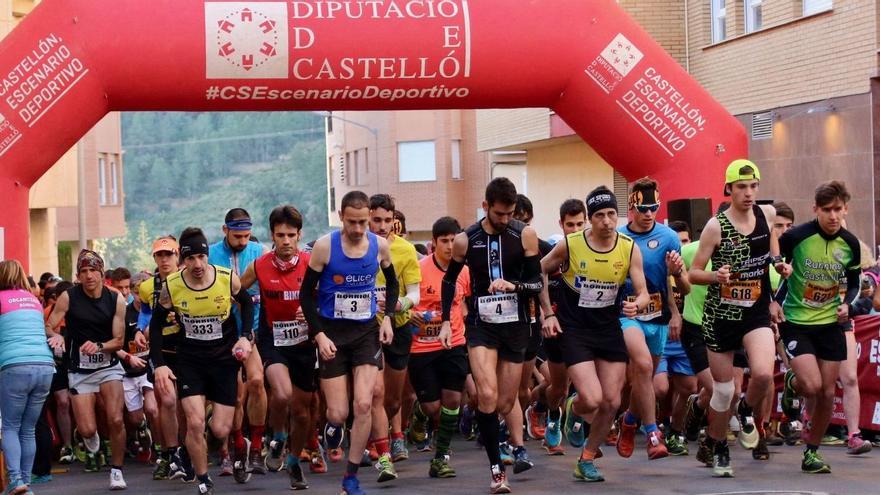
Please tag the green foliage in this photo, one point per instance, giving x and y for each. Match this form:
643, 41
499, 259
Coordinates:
188, 169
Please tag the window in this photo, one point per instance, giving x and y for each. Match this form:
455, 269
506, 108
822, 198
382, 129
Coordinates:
416, 161
719, 21
350, 170
102, 181
114, 183
816, 6
455, 153
363, 169
752, 15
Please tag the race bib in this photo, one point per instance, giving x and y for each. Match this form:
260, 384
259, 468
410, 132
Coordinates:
203, 328
654, 308
817, 296
597, 294
135, 351
288, 333
429, 333
95, 361
503, 308
353, 306
741, 293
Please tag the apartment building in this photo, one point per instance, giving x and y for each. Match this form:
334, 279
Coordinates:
54, 198
427, 160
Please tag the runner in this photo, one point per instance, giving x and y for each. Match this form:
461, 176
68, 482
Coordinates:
674, 379
438, 366
813, 313
209, 350
236, 251
503, 258
596, 265
95, 329
59, 389
289, 357
342, 320
173, 461
646, 334
391, 380
736, 312
140, 401
572, 219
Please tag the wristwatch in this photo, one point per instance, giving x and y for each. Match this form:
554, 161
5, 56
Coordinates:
100, 346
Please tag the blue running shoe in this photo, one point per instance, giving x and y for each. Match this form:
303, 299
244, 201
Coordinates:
574, 424
351, 486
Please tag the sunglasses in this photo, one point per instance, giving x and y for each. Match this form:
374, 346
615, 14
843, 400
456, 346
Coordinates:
646, 208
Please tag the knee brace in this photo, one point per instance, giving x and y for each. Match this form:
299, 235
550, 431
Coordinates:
722, 395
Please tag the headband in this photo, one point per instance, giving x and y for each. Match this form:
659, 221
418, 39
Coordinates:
89, 259
240, 224
600, 201
193, 245
644, 197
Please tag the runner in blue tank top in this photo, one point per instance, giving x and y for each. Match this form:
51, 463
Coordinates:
342, 320
646, 334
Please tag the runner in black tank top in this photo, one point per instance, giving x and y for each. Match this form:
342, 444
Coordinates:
742, 247
502, 255
95, 329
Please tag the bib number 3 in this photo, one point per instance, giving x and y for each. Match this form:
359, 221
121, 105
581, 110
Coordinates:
353, 306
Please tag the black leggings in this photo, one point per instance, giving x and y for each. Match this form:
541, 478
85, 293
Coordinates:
43, 434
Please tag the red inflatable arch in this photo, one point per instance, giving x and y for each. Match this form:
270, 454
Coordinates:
70, 62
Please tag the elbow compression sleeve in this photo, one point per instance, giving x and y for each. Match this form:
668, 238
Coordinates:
308, 302
157, 321
781, 292
246, 305
853, 287
532, 282
447, 290
392, 289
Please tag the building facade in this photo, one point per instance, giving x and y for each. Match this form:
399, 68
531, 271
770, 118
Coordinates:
800, 75
54, 198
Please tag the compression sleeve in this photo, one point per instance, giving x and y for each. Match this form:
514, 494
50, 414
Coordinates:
781, 292
413, 295
157, 320
532, 282
392, 289
447, 289
853, 287
308, 302
246, 304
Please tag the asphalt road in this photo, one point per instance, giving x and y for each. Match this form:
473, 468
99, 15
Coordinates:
679, 475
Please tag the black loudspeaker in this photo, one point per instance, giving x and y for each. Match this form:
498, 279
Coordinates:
696, 212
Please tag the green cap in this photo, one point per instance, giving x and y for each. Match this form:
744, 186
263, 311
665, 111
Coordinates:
741, 169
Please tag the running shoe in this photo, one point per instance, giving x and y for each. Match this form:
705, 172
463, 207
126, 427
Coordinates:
425, 444
832, 440
257, 464
304, 455
626, 439
813, 463
694, 419
440, 468
535, 422
553, 431
398, 450
791, 403
117, 482
774, 439
574, 424
92, 463
206, 488
366, 459
335, 455
163, 468
587, 471
275, 459
499, 480
557, 450
748, 435
465, 422
721, 462
241, 462
418, 425
857, 445
187, 473
66, 455
317, 464
386, 469
611, 439
760, 452
40, 479
791, 432
655, 445
296, 477
506, 454
351, 486
704, 453
226, 468
175, 466
521, 461
676, 445
333, 437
